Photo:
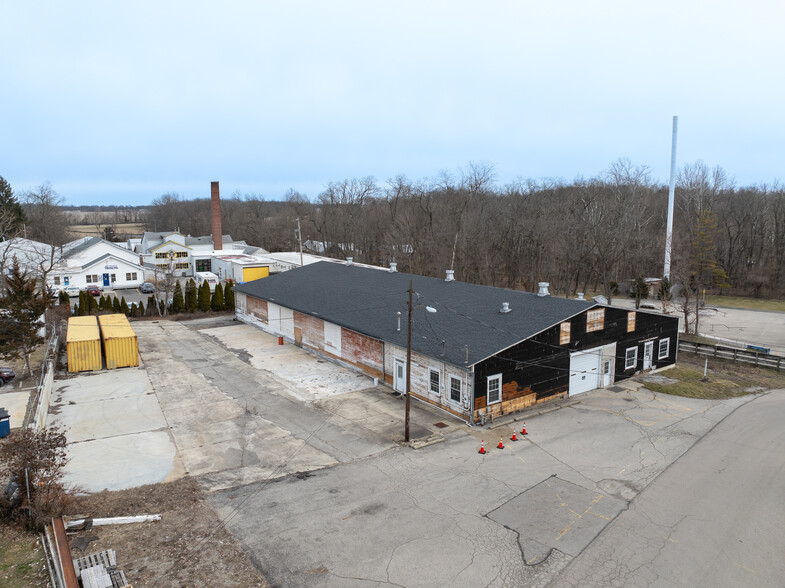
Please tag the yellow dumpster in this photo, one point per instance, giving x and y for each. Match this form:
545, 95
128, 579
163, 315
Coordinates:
83, 344
121, 348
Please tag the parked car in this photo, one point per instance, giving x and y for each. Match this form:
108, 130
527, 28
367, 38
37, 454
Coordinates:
147, 288
71, 291
94, 290
6, 375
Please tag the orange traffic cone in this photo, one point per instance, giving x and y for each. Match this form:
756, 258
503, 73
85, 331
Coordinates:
514, 438
482, 447
523, 429
501, 442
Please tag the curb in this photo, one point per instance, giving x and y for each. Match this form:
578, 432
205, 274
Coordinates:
426, 441
503, 422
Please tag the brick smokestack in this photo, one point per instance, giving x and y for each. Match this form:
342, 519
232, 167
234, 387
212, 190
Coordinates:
218, 241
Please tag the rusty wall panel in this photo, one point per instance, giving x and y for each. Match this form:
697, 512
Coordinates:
257, 308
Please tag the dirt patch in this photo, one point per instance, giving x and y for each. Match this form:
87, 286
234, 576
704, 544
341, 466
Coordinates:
21, 558
725, 379
188, 547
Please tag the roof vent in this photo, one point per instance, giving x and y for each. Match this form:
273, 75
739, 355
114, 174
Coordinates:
450, 276
393, 267
543, 289
505, 308
580, 296
349, 260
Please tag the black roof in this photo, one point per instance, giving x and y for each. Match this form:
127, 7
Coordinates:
367, 300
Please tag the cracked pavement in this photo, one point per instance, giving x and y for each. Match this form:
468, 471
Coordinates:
318, 491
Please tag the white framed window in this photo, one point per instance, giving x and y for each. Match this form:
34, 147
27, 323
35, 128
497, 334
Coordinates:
664, 349
434, 380
494, 389
631, 321
113, 278
595, 320
564, 333
631, 358
57, 280
455, 389
131, 276
92, 278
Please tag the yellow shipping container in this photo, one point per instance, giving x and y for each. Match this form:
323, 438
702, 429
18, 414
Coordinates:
83, 344
121, 348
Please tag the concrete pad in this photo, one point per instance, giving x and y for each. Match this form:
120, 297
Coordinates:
115, 431
16, 405
556, 514
312, 378
103, 385
109, 418
117, 463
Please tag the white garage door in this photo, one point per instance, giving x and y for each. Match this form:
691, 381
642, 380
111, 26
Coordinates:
585, 371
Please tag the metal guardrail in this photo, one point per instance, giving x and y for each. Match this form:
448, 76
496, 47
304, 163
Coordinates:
752, 357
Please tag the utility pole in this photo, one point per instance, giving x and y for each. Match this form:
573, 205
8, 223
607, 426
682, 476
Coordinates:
408, 363
300, 238
671, 189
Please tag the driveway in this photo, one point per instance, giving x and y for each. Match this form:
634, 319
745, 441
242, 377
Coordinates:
229, 416
446, 515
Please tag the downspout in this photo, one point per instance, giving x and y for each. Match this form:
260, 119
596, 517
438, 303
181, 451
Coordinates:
471, 404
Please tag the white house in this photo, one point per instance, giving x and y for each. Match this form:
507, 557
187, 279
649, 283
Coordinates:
92, 261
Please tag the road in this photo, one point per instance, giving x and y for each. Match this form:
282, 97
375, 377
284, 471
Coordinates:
714, 518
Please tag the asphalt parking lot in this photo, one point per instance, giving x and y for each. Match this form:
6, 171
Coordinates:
299, 456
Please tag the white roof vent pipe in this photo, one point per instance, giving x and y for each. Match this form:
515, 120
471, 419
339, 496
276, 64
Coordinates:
505, 308
450, 276
543, 289
580, 296
393, 267
349, 260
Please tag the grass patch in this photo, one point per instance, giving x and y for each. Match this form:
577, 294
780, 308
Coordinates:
23, 562
725, 379
744, 302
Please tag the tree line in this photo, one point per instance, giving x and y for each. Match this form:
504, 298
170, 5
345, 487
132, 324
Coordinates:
594, 234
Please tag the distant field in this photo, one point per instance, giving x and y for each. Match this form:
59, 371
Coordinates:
742, 302
120, 229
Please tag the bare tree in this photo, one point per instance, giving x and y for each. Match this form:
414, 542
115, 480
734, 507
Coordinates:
42, 206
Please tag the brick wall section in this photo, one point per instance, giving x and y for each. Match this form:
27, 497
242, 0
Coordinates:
215, 211
364, 352
257, 308
312, 329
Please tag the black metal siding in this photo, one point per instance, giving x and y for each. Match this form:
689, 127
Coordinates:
540, 365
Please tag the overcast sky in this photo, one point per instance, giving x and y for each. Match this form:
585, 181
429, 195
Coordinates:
120, 102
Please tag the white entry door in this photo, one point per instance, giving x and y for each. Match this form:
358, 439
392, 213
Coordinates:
399, 376
607, 372
648, 353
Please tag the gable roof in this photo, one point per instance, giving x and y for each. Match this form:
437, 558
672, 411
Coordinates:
167, 243
367, 300
105, 256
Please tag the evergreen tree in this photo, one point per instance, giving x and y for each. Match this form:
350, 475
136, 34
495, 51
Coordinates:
10, 211
151, 305
133, 311
83, 304
178, 302
115, 305
63, 298
204, 297
191, 297
91, 303
140, 312
23, 306
229, 296
124, 307
217, 301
